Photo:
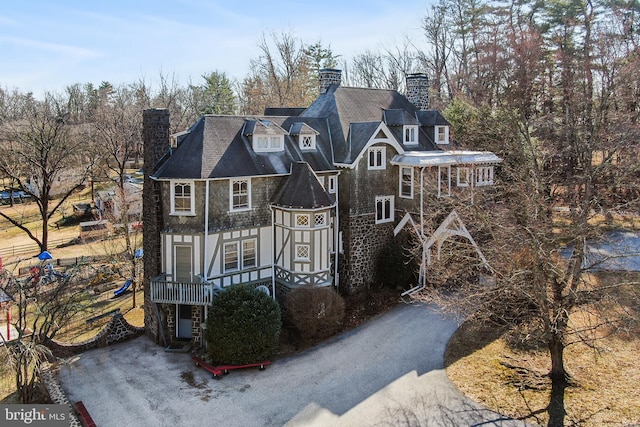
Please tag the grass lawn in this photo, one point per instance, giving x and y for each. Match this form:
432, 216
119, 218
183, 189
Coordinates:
514, 383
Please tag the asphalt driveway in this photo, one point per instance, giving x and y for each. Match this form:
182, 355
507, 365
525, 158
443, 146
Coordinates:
388, 372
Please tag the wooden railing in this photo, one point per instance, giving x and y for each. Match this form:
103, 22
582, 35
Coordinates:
163, 291
168, 291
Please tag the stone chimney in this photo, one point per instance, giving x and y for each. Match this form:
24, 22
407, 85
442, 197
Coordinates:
155, 137
418, 90
329, 76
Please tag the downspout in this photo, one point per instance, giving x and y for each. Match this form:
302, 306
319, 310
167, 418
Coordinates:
422, 237
422, 281
205, 275
336, 237
273, 252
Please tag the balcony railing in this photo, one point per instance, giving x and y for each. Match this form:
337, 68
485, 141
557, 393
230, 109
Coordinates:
202, 293
189, 293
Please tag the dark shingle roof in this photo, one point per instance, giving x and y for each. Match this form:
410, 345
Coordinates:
302, 190
398, 118
220, 147
344, 106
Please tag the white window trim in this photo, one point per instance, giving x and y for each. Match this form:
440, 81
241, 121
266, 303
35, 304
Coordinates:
391, 212
414, 141
312, 141
255, 253
243, 208
437, 133
270, 139
376, 150
410, 196
308, 257
333, 184
190, 212
479, 175
224, 257
467, 181
296, 225
318, 215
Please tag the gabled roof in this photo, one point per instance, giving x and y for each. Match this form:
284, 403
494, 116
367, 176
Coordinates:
302, 190
300, 128
350, 113
221, 147
398, 118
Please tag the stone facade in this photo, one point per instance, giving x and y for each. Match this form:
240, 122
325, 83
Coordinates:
329, 76
363, 240
418, 90
196, 322
156, 142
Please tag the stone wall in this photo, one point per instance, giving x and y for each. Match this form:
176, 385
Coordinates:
418, 90
363, 241
155, 133
50, 380
117, 330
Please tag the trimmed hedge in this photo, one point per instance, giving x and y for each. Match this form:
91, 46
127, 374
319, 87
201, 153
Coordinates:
243, 326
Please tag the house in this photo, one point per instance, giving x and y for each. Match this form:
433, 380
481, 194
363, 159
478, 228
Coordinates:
299, 197
115, 202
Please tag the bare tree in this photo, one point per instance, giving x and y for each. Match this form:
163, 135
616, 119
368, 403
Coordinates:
45, 302
43, 151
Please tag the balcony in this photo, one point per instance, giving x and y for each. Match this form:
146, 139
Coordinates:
188, 293
202, 293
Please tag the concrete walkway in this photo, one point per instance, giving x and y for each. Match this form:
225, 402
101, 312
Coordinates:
388, 372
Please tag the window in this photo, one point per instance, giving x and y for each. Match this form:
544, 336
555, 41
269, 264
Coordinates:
262, 143
333, 184
464, 177
377, 158
182, 198
411, 134
231, 256
484, 176
406, 182
248, 253
302, 252
307, 142
320, 219
240, 198
384, 209
302, 220
442, 134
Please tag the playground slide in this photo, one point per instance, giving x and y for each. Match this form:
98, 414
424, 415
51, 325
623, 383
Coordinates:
123, 289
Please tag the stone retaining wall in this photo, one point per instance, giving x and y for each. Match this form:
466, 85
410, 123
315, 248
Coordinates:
117, 330
56, 393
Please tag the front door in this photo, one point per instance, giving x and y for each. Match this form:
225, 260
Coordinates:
185, 321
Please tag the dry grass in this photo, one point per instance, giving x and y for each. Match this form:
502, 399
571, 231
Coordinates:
605, 390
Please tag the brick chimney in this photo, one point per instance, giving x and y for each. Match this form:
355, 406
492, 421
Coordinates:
418, 90
329, 76
155, 137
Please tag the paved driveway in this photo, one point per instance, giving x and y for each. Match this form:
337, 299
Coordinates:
387, 372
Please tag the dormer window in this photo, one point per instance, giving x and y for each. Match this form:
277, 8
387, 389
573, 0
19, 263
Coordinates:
442, 134
267, 143
307, 142
411, 135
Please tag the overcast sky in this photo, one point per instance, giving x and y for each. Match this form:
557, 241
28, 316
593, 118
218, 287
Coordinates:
46, 45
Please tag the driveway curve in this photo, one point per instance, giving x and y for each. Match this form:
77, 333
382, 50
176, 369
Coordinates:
387, 372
